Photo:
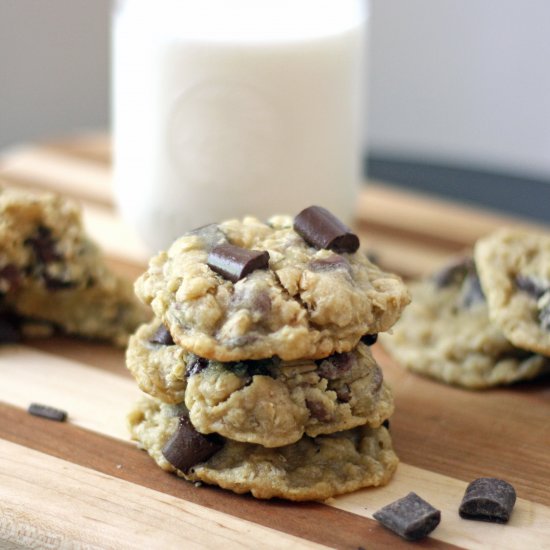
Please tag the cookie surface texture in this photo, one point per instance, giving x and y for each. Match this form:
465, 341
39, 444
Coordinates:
310, 469
308, 303
514, 269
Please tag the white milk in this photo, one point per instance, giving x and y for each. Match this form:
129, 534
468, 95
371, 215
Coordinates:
223, 108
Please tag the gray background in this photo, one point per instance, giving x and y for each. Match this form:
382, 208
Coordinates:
458, 82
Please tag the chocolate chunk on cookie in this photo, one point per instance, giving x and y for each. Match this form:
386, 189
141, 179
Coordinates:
187, 447
322, 229
234, 262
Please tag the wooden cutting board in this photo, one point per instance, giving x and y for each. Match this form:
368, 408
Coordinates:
83, 484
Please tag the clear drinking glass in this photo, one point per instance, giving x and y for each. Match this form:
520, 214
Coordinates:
223, 108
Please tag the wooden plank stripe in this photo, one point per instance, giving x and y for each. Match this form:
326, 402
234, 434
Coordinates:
80, 506
71, 385
309, 520
52, 170
94, 399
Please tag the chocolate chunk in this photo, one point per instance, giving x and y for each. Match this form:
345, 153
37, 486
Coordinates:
472, 293
187, 447
321, 229
334, 366
488, 499
254, 367
454, 272
195, 366
12, 276
332, 263
410, 517
162, 337
235, 263
535, 287
369, 339
318, 410
343, 394
43, 246
386, 424
10, 332
45, 411
53, 283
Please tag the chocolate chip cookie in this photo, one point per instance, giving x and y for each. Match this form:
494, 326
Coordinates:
297, 300
269, 402
310, 469
446, 334
514, 269
53, 277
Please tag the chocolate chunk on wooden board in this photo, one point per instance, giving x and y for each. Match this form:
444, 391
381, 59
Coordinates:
45, 411
488, 499
410, 517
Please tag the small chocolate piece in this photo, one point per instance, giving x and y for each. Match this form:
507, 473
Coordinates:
488, 499
532, 286
187, 447
321, 229
318, 410
454, 272
343, 394
43, 246
195, 366
45, 411
9, 330
410, 517
235, 263
53, 283
386, 424
369, 339
162, 336
334, 366
472, 293
12, 276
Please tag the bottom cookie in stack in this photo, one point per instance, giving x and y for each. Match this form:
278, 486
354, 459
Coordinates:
299, 430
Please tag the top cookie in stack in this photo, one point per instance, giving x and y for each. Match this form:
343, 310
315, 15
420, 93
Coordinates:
261, 340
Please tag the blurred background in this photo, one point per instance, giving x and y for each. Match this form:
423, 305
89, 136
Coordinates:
458, 96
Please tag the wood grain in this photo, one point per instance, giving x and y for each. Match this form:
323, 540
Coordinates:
93, 476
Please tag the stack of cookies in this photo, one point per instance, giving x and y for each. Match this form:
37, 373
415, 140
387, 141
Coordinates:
484, 319
258, 359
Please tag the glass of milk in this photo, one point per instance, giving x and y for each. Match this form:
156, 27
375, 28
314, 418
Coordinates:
223, 108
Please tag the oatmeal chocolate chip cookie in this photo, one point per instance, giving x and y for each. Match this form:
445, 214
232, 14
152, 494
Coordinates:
514, 268
446, 334
305, 302
269, 402
51, 273
310, 469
